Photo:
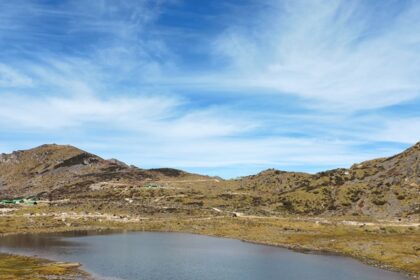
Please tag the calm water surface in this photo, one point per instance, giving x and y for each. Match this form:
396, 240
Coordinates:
161, 256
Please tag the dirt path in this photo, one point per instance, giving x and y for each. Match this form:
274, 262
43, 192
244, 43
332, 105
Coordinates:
129, 218
391, 223
189, 181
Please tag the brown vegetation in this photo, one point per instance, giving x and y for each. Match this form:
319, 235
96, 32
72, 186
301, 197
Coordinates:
369, 211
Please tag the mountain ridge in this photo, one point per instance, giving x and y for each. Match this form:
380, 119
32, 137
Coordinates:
382, 187
46, 164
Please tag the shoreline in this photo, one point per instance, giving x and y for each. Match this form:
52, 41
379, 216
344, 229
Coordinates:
25, 266
365, 261
292, 247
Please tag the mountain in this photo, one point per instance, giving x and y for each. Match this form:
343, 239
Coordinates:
382, 188
57, 170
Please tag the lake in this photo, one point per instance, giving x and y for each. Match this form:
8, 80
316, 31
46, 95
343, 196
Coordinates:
177, 256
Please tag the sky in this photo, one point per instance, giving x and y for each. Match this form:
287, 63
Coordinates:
224, 88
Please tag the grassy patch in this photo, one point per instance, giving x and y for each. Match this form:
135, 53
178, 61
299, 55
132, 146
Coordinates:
19, 267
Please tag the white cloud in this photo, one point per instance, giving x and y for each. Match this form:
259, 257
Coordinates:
402, 130
327, 53
215, 122
11, 78
121, 94
77, 104
157, 116
281, 152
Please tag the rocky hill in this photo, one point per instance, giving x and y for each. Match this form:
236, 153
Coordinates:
57, 170
380, 188
385, 187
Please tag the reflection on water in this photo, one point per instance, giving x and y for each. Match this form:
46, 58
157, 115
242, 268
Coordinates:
185, 256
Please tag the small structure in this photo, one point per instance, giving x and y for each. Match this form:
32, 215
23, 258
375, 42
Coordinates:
151, 186
32, 200
7, 201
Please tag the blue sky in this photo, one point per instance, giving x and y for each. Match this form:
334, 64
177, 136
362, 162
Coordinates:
223, 88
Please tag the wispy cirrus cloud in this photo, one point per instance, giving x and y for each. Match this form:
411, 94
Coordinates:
342, 55
236, 88
10, 78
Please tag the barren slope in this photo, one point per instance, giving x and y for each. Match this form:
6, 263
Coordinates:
57, 169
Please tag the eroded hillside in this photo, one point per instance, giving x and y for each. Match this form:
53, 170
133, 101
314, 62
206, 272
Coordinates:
71, 178
55, 171
385, 187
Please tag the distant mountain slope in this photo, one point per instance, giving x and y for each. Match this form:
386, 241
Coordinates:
379, 187
382, 188
50, 168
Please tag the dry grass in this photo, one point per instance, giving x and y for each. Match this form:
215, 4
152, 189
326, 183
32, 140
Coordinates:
19, 267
